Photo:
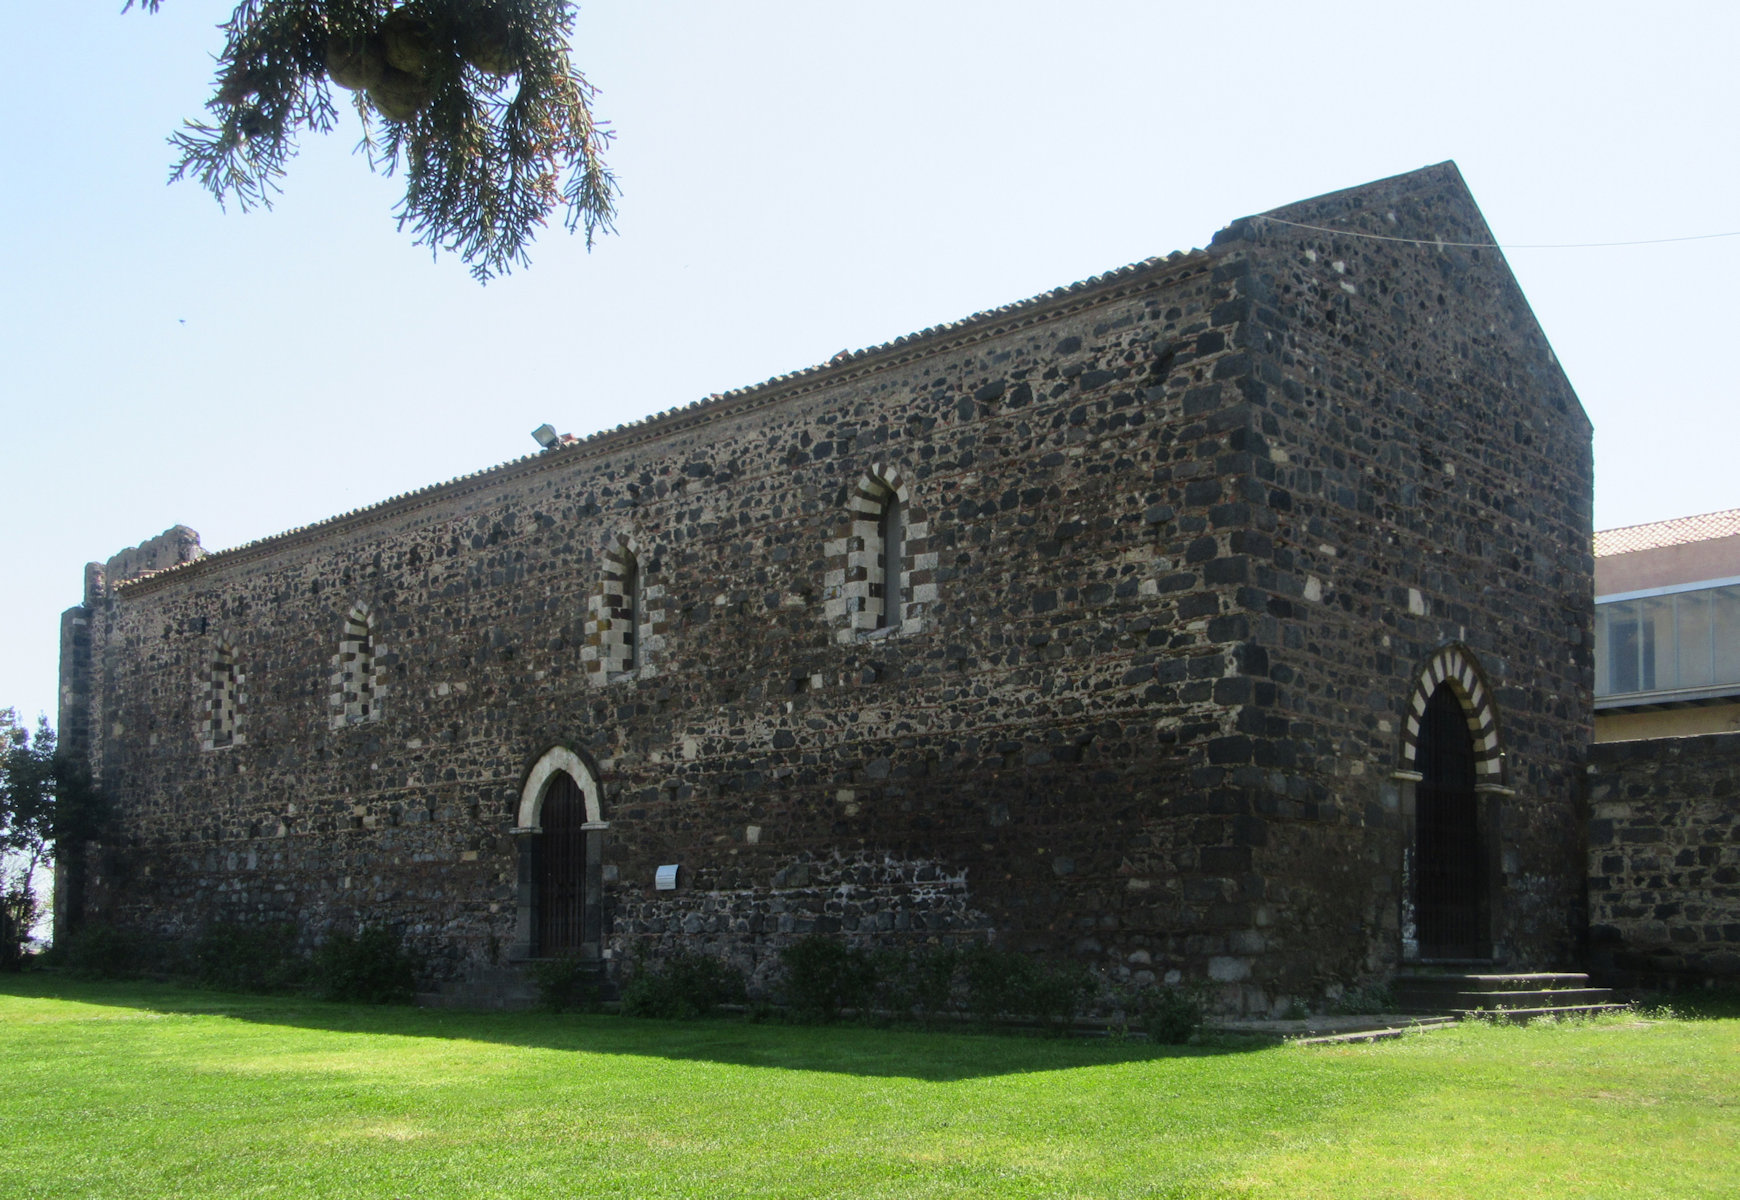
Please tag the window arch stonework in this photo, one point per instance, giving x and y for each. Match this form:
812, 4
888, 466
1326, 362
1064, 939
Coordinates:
357, 688
558, 759
221, 701
625, 614
880, 570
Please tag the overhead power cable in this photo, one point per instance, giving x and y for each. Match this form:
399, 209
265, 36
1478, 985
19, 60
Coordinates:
1380, 237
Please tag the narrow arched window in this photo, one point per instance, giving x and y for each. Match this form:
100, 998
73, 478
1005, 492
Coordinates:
625, 613
357, 690
879, 570
628, 608
223, 699
886, 593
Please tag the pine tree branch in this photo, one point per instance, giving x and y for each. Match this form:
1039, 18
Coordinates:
478, 103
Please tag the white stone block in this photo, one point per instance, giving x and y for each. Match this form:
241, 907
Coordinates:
1226, 969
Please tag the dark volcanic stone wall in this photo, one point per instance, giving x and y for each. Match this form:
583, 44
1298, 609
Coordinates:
1012, 759
1427, 481
1664, 859
1141, 711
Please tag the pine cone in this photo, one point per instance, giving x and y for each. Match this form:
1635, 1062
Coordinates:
486, 42
400, 96
409, 42
355, 63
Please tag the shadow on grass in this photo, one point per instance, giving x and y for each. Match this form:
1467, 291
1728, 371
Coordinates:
934, 1055
1696, 1004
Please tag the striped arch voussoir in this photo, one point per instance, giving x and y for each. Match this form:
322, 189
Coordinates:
874, 487
358, 620
1456, 666
622, 548
868, 496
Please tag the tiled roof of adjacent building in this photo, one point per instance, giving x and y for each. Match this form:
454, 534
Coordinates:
1675, 532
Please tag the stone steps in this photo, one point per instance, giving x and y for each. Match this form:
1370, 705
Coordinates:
1510, 981
1522, 1016
1538, 998
1518, 996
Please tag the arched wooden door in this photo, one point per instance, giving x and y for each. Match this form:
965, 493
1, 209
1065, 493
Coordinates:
568, 874
1452, 905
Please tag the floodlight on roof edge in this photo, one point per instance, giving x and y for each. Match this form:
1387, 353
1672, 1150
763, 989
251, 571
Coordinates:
546, 435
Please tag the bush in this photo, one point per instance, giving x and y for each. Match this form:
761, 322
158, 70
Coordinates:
250, 958
17, 917
917, 984
373, 967
1004, 983
1170, 1016
683, 987
566, 982
111, 952
823, 976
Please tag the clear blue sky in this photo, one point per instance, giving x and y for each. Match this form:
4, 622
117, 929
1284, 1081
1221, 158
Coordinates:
801, 178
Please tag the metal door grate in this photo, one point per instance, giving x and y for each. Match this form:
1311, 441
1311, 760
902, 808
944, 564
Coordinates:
562, 869
1451, 885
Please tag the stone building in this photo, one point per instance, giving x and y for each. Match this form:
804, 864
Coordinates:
1664, 777
1224, 617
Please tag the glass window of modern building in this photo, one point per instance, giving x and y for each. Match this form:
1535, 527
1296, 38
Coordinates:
1670, 643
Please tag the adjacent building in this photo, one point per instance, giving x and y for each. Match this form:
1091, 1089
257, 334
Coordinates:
1667, 628
1664, 778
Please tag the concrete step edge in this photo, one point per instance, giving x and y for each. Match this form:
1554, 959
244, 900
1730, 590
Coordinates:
1556, 998
1519, 1015
1470, 982
1373, 1035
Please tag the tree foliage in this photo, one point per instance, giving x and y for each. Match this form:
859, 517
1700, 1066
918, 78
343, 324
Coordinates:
26, 819
475, 101
27, 786
46, 800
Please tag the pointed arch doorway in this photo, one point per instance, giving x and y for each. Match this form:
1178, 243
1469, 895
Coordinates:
567, 917
1450, 863
1452, 781
561, 844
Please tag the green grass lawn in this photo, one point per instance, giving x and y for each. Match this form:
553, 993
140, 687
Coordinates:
121, 1090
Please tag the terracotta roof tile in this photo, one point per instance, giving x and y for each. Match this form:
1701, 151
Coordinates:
1678, 531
